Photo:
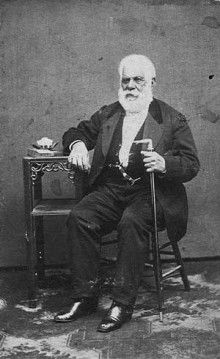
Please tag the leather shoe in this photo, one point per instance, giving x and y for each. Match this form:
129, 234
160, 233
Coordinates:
116, 316
81, 307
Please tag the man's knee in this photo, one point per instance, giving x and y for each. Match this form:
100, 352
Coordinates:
82, 219
73, 216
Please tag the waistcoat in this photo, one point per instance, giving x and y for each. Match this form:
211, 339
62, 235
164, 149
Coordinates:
135, 166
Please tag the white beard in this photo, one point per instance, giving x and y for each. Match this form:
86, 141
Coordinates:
135, 105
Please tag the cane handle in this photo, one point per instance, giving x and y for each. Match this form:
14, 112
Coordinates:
148, 142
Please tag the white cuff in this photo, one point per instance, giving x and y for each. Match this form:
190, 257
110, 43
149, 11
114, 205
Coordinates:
73, 143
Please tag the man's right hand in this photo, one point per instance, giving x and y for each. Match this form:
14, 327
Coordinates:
79, 156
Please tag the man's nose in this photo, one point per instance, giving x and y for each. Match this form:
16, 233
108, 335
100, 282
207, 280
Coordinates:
131, 84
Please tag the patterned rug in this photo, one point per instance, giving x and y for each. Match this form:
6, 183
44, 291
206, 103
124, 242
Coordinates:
190, 330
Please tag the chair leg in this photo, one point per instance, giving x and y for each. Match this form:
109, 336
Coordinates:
157, 273
179, 261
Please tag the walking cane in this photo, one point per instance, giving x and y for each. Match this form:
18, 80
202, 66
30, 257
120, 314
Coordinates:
155, 242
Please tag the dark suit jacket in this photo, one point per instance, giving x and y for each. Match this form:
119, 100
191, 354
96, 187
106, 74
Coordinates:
172, 139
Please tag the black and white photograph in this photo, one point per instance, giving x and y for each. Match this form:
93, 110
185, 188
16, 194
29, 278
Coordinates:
110, 177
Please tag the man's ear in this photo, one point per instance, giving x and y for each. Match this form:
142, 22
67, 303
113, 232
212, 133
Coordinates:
153, 82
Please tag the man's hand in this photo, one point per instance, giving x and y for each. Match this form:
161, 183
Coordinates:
153, 162
79, 156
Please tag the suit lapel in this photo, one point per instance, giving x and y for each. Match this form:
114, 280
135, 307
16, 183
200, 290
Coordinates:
153, 127
108, 130
152, 130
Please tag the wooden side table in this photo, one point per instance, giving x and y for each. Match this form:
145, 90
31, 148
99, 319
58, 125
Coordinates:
37, 207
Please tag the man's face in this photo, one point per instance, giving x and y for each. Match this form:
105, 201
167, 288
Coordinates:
135, 92
132, 82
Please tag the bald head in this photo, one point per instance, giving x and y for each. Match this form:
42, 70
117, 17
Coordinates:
139, 65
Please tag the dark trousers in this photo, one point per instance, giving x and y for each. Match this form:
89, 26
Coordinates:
111, 206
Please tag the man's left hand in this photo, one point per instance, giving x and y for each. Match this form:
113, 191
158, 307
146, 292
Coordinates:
153, 161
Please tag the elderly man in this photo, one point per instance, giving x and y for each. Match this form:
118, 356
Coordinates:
119, 196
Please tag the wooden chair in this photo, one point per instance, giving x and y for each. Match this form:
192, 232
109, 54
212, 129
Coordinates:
170, 249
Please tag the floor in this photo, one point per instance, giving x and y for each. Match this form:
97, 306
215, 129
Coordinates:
190, 330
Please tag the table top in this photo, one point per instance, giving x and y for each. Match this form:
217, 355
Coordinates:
45, 158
